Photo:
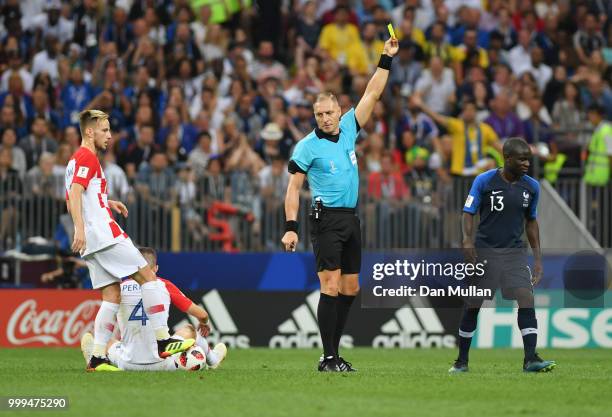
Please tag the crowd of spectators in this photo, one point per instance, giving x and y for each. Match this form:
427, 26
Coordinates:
208, 97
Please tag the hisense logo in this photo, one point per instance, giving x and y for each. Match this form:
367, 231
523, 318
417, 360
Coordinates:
223, 328
302, 330
407, 330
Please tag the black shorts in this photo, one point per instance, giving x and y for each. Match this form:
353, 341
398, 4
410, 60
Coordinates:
336, 240
505, 271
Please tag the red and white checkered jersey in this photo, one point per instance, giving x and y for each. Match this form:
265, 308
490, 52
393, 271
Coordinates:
139, 345
101, 229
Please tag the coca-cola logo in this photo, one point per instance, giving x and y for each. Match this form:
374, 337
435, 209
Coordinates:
61, 327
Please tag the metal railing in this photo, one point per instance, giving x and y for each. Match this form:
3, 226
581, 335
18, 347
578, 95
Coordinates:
591, 204
212, 225
424, 221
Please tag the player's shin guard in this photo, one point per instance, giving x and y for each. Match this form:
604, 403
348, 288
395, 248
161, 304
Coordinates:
106, 319
343, 307
528, 324
467, 328
327, 315
153, 303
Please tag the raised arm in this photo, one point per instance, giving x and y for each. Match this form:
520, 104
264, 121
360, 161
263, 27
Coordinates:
292, 205
437, 117
377, 83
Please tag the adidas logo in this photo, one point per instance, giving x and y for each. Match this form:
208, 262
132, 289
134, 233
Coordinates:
302, 330
408, 330
223, 328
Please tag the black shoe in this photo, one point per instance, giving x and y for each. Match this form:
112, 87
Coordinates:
329, 364
345, 366
97, 363
458, 367
537, 364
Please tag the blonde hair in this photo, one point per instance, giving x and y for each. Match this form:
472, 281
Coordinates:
87, 117
325, 96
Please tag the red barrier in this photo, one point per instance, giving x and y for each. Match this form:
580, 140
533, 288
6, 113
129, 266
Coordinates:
55, 318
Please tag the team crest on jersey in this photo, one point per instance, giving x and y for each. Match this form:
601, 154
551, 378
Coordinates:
525, 199
82, 172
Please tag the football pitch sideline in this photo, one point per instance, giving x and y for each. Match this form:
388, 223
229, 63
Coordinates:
266, 382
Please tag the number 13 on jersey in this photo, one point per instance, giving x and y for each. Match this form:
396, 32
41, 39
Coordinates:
497, 202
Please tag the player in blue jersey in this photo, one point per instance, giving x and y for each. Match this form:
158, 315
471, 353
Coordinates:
506, 200
327, 158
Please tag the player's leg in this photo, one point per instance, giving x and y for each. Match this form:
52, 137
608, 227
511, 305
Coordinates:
327, 246
105, 322
327, 315
528, 324
106, 317
349, 281
87, 346
349, 288
124, 259
467, 328
214, 356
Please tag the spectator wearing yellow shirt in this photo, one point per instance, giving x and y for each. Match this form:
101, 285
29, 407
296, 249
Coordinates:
439, 46
341, 40
469, 53
373, 46
473, 144
408, 30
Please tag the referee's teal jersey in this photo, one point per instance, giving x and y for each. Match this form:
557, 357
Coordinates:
330, 163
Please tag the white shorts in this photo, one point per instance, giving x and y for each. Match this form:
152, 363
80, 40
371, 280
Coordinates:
110, 264
115, 355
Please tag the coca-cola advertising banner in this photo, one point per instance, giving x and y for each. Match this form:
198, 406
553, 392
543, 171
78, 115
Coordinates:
46, 317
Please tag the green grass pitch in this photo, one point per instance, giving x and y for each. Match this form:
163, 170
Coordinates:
264, 382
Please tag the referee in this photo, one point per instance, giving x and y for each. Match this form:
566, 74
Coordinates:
327, 158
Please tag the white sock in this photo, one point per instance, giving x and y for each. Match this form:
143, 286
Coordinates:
153, 303
211, 357
106, 319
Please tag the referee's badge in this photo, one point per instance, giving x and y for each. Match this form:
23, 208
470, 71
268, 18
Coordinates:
353, 157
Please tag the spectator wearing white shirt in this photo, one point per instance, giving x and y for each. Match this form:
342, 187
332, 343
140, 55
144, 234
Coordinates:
46, 60
117, 184
51, 22
437, 86
541, 71
519, 57
265, 65
423, 14
16, 66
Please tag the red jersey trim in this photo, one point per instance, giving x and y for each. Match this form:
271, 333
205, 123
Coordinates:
177, 298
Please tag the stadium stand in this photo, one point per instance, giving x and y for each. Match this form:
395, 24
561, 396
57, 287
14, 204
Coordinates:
207, 101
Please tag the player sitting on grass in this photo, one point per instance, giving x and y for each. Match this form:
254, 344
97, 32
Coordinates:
137, 349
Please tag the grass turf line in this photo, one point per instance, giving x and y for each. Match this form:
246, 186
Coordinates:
265, 382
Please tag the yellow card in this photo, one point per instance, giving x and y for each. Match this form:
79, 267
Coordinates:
391, 31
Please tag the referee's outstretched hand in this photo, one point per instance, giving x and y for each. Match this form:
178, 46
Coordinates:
391, 47
290, 240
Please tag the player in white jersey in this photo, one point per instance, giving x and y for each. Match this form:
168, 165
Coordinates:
137, 349
108, 251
